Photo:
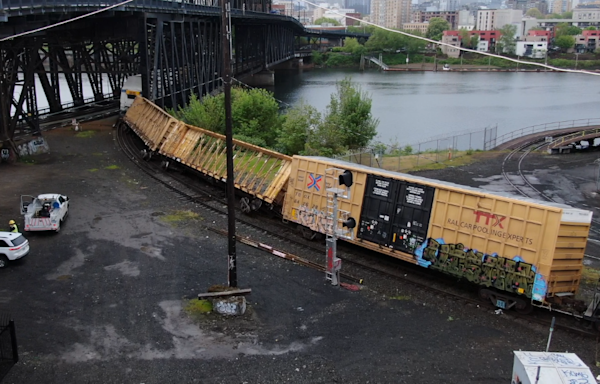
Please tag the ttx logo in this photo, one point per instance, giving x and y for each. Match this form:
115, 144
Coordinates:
496, 220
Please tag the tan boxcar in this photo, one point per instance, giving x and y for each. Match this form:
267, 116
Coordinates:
259, 172
518, 245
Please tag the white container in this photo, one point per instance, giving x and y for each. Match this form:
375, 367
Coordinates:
550, 368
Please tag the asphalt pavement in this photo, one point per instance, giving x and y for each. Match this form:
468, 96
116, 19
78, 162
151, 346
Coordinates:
101, 301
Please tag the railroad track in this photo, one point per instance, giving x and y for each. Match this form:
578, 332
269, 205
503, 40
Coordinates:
257, 232
528, 189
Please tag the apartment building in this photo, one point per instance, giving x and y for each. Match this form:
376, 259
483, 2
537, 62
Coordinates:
492, 19
416, 27
587, 41
452, 38
450, 17
390, 13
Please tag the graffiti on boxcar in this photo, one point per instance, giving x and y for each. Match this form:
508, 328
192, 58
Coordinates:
312, 218
490, 270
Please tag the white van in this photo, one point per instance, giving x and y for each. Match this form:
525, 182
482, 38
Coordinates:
131, 88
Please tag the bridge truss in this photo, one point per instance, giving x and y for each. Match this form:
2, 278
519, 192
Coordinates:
176, 47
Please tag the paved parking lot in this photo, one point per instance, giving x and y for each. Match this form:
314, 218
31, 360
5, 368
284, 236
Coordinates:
101, 302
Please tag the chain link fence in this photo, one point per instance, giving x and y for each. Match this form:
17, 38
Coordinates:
400, 158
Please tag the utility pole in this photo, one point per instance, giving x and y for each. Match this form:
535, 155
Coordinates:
225, 46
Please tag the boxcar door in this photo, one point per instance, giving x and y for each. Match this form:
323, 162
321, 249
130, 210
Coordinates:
378, 209
411, 216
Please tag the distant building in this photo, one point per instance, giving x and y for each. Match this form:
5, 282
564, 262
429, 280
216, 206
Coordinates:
586, 14
390, 13
466, 20
350, 21
452, 38
361, 6
486, 41
525, 5
416, 27
284, 7
533, 49
587, 41
450, 17
491, 19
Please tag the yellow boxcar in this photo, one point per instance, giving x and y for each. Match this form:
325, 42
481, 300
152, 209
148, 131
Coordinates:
259, 172
517, 245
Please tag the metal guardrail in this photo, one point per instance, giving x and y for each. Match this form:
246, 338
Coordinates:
567, 138
545, 127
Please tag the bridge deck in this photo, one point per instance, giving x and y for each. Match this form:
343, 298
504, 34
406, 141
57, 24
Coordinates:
520, 141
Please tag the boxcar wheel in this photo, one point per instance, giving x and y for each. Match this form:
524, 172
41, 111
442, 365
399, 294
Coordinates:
523, 307
307, 233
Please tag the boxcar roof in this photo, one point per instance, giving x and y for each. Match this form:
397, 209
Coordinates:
584, 215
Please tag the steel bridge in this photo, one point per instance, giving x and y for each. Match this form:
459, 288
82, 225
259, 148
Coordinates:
174, 45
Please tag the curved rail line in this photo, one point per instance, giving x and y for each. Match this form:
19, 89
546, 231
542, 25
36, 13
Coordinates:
355, 261
527, 148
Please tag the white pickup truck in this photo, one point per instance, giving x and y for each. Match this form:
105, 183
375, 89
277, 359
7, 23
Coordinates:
45, 212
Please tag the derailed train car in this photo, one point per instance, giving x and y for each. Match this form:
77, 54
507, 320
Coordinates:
518, 251
260, 174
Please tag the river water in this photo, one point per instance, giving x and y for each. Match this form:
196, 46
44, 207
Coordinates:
413, 107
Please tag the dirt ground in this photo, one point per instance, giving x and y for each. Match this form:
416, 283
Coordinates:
102, 301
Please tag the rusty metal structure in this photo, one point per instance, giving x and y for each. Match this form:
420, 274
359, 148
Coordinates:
174, 45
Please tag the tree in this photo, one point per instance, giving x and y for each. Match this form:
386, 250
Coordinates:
207, 113
347, 124
390, 41
351, 45
298, 123
506, 43
436, 28
464, 38
474, 41
564, 42
535, 13
566, 29
467, 40
255, 115
326, 20
590, 28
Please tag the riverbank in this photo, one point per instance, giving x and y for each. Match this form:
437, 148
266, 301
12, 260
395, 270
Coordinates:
462, 68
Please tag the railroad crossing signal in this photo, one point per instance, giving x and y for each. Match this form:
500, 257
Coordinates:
336, 217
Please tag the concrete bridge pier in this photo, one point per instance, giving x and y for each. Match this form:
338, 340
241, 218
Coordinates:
263, 78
